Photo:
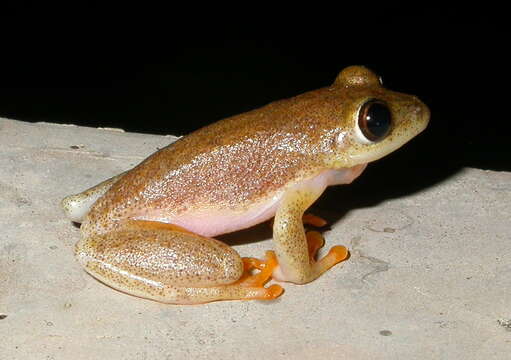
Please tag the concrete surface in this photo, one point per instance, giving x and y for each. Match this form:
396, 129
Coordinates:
429, 276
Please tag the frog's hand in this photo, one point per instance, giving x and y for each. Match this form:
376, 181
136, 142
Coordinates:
78, 205
169, 264
295, 249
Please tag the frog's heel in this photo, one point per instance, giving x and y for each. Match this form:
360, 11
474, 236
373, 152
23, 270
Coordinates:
296, 250
77, 206
169, 264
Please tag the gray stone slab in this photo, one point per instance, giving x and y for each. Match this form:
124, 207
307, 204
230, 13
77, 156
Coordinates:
429, 275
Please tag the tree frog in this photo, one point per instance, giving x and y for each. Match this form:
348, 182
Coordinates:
149, 231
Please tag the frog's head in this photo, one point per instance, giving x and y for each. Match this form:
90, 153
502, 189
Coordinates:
375, 121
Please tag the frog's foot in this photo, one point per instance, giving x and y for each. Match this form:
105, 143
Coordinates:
257, 280
315, 241
336, 254
250, 286
169, 264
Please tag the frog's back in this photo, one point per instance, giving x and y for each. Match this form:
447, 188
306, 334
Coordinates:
230, 164
237, 167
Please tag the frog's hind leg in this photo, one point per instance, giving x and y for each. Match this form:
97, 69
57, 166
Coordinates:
77, 206
169, 264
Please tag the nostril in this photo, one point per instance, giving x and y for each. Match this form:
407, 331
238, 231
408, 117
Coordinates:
419, 111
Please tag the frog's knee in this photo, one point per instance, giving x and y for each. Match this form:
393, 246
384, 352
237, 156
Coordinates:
77, 206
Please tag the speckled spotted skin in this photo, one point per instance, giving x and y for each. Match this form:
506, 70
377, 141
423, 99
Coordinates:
273, 161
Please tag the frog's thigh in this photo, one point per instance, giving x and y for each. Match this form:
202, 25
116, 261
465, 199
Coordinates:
168, 264
295, 250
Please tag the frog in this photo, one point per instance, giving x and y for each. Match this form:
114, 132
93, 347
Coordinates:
150, 231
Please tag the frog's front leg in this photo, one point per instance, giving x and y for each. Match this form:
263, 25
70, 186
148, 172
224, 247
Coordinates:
295, 249
169, 264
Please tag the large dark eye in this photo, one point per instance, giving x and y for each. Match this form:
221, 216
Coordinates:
375, 120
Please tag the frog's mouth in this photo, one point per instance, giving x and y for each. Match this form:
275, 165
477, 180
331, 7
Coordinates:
373, 152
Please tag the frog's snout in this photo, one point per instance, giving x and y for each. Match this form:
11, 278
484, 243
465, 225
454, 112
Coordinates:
421, 113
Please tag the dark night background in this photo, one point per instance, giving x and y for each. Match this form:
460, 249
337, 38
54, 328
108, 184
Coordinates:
158, 73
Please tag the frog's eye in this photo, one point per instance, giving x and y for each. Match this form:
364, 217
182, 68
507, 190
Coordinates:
374, 121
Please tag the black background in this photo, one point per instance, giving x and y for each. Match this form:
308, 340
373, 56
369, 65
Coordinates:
164, 71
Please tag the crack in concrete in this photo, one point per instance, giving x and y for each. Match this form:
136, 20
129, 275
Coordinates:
377, 264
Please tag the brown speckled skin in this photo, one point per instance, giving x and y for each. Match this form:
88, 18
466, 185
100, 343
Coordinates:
242, 159
234, 163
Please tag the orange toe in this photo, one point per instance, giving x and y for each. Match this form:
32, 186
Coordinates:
334, 256
313, 220
315, 241
339, 253
274, 292
260, 278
